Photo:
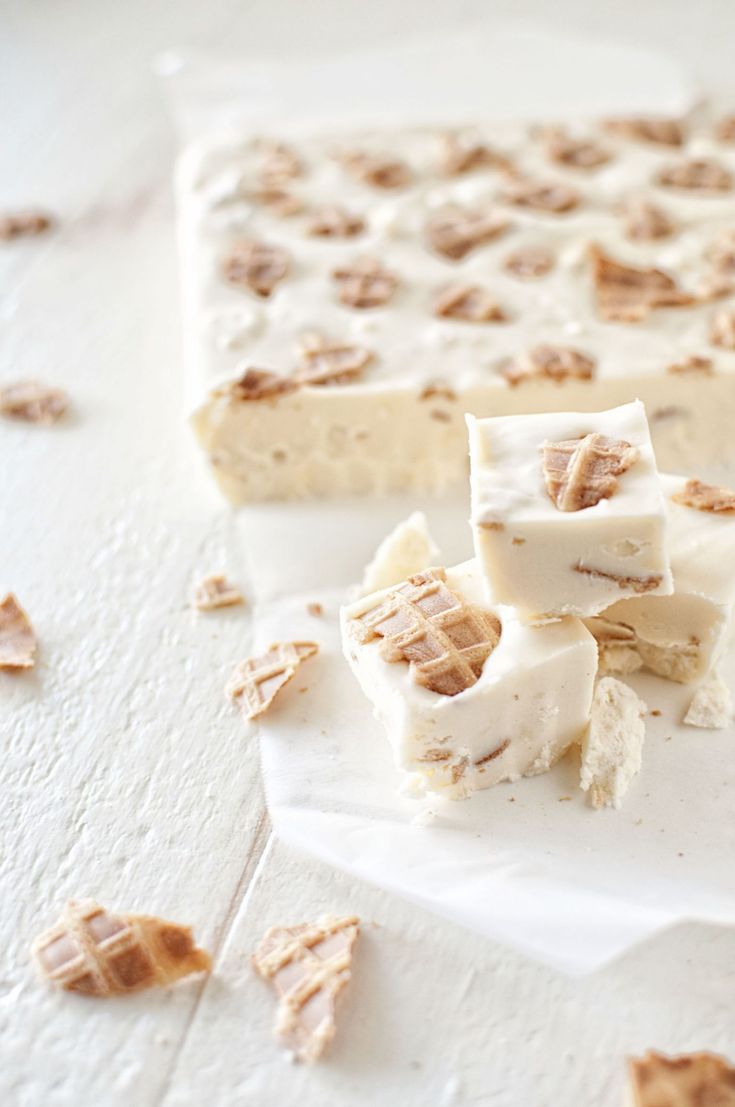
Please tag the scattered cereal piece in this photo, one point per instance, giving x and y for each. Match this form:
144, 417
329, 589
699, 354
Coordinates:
216, 591
32, 402
705, 497
309, 965
314, 609
256, 682
627, 294
711, 706
99, 954
689, 1080
24, 224
18, 642
580, 472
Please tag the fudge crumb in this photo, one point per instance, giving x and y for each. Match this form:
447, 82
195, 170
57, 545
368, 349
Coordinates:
553, 197
257, 266
705, 497
216, 591
582, 471
626, 294
423, 622
308, 965
692, 364
697, 174
314, 609
256, 384
455, 232
20, 224
613, 743
458, 156
18, 643
470, 303
365, 284
555, 363
377, 171
92, 951
324, 361
527, 263
722, 329
689, 1080
711, 705
334, 221
646, 222
655, 712
660, 132
575, 153
255, 683
32, 402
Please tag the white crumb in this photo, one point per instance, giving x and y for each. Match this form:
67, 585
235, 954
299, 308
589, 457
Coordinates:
425, 817
408, 549
413, 786
613, 743
711, 705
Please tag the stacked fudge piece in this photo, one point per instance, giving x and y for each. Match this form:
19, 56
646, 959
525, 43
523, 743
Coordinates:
588, 563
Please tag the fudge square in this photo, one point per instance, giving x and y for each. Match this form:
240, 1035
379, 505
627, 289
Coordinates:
468, 694
567, 510
682, 636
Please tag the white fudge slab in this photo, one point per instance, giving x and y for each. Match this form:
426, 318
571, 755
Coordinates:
390, 428
681, 636
549, 562
530, 703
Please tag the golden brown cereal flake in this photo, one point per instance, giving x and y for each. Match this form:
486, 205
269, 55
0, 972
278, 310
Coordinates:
278, 201
327, 362
697, 174
705, 497
548, 196
314, 609
257, 266
455, 232
32, 402
91, 951
460, 156
639, 585
334, 221
216, 591
527, 263
445, 640
256, 682
722, 329
580, 472
437, 390
626, 294
18, 642
646, 222
470, 303
689, 1080
725, 129
661, 132
365, 283
575, 153
280, 163
308, 965
692, 364
19, 224
257, 384
721, 252
555, 363
377, 170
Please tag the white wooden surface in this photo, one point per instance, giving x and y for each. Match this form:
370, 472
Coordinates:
124, 773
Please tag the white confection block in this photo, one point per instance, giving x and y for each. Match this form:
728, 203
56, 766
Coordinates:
613, 743
530, 703
548, 562
681, 636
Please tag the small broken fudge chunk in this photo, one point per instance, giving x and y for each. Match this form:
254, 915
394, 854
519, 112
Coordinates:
529, 262
377, 170
216, 591
554, 363
660, 132
575, 153
324, 361
20, 224
511, 706
308, 965
711, 705
18, 643
680, 637
455, 232
365, 283
581, 472
91, 951
553, 197
705, 497
470, 303
257, 266
627, 294
407, 550
32, 402
613, 743
644, 221
334, 221
255, 683
567, 510
689, 1080
697, 175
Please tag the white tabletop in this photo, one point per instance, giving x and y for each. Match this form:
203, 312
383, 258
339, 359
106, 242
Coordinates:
125, 774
